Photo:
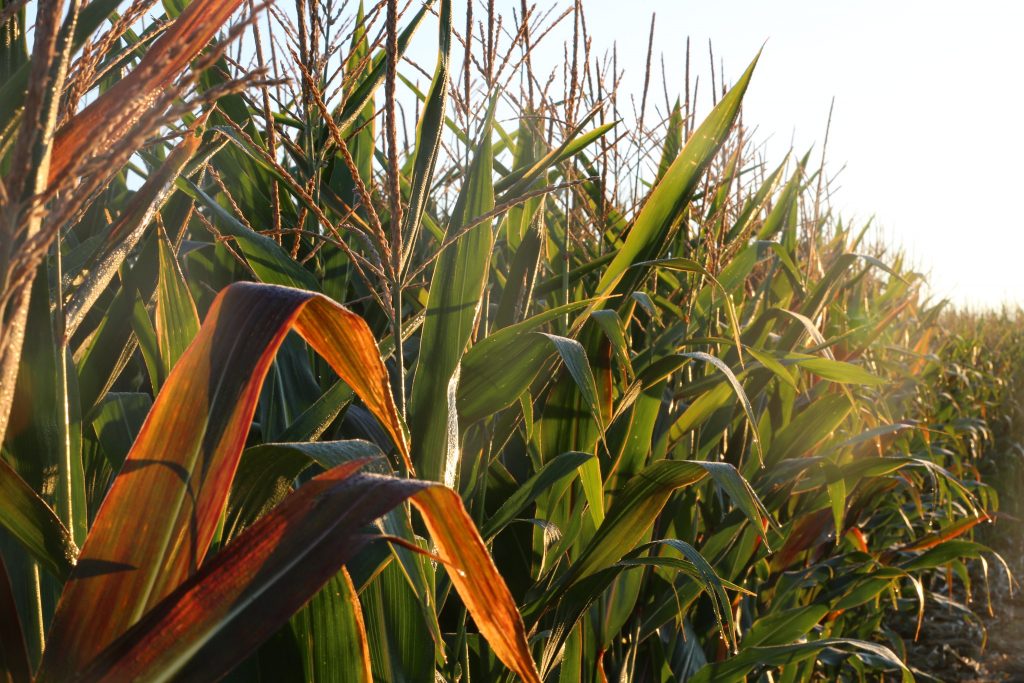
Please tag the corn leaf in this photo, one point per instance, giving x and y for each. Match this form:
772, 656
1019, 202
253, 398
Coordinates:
185, 457
453, 304
428, 132
30, 520
177, 321
647, 235
735, 668
488, 382
557, 470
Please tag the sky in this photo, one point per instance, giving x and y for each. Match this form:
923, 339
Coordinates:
927, 120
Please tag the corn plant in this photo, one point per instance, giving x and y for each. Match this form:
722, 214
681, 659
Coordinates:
662, 415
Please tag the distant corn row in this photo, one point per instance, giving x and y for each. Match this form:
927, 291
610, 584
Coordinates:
980, 384
661, 415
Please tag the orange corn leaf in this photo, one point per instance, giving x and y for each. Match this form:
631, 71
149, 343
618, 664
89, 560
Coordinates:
243, 595
942, 535
279, 562
156, 523
476, 578
809, 531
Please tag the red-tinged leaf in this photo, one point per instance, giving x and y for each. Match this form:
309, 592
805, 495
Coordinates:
859, 538
942, 535
14, 664
245, 592
279, 562
133, 95
809, 531
156, 523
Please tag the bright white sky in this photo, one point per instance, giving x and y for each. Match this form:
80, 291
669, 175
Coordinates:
928, 110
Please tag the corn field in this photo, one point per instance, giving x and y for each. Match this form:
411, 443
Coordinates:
318, 363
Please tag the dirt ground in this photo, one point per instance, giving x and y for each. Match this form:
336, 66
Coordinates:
957, 648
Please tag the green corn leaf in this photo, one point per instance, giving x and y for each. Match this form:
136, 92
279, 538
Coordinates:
30, 520
783, 205
521, 181
315, 419
647, 235
363, 95
149, 345
673, 141
177, 321
702, 408
428, 133
710, 582
736, 668
331, 633
743, 495
770, 362
268, 260
453, 305
556, 471
488, 382
44, 442
575, 359
867, 589
944, 554
117, 421
611, 325
836, 371
784, 627
809, 428
748, 409
631, 515
526, 232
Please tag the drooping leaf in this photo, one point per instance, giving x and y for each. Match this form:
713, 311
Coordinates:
34, 524
748, 409
632, 513
784, 627
185, 457
557, 469
488, 382
575, 358
735, 668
